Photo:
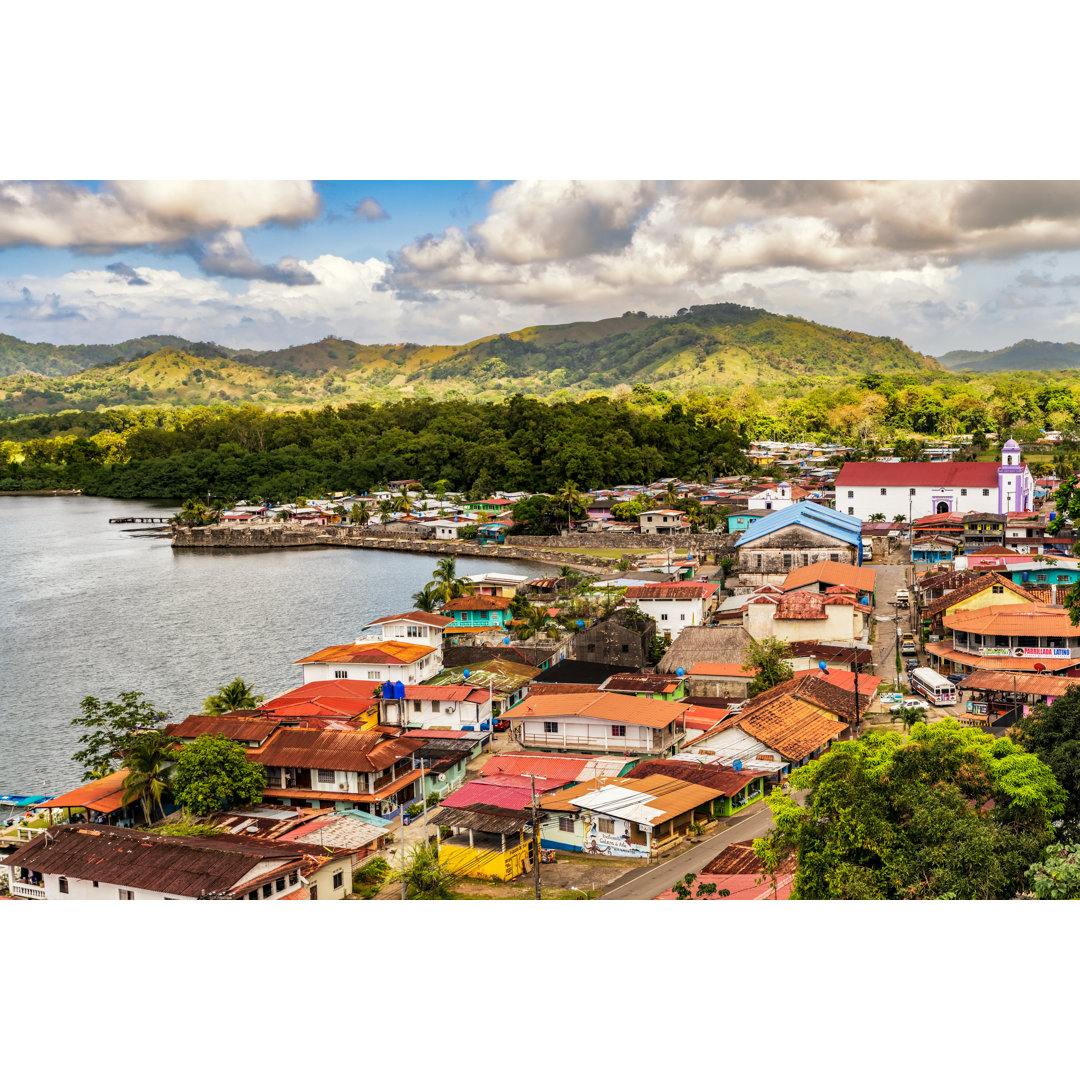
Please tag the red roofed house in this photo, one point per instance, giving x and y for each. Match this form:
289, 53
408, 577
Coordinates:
915, 489
675, 606
807, 616
449, 707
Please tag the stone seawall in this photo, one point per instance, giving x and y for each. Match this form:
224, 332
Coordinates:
275, 537
688, 541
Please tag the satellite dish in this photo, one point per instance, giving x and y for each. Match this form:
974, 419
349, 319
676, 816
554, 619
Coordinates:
680, 672
442, 778
1040, 667
737, 765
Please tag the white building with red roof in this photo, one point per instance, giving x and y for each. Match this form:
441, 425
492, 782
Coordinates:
918, 488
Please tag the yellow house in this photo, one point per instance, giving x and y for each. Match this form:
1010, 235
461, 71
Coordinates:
990, 590
487, 842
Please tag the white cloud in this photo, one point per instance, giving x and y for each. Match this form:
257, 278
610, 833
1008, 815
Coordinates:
370, 210
131, 213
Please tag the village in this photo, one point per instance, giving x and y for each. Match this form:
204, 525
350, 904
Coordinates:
614, 729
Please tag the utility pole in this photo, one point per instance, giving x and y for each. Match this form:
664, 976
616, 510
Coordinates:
536, 838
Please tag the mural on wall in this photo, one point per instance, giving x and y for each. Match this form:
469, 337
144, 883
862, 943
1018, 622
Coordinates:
611, 843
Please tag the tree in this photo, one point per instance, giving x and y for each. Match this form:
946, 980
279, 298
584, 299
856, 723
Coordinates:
951, 813
876, 517
235, 695
448, 586
359, 514
150, 760
214, 774
569, 501
682, 889
403, 504
426, 598
1052, 733
770, 657
1057, 876
909, 715
898, 518
424, 876
111, 728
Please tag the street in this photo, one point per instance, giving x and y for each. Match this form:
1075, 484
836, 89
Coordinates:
645, 882
891, 575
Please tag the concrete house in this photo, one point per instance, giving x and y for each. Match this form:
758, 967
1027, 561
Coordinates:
624, 639
800, 535
599, 723
663, 522
673, 607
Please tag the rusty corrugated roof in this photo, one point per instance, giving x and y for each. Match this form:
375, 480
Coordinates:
369, 652
349, 751
618, 708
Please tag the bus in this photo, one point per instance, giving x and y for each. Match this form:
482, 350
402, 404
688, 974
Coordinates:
933, 686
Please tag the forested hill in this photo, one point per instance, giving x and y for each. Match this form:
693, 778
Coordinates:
1026, 355
44, 359
716, 345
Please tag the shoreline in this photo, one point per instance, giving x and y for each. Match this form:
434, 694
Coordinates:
57, 491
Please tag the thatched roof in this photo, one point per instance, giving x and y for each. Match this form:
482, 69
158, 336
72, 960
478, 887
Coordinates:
706, 645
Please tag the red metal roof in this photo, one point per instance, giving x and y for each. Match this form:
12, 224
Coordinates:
103, 795
477, 792
916, 474
681, 590
566, 768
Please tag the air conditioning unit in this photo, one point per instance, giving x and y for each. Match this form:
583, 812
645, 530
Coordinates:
343, 787
450, 709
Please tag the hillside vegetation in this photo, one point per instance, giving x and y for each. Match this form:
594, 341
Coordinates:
718, 346
1026, 355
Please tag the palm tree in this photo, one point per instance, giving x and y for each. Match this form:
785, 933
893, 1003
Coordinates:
235, 695
876, 517
149, 761
359, 514
427, 597
424, 876
672, 494
570, 498
899, 518
403, 504
448, 586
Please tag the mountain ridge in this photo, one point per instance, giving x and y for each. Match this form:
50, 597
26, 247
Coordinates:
1025, 355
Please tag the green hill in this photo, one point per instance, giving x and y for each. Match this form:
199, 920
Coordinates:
43, 358
711, 346
1026, 355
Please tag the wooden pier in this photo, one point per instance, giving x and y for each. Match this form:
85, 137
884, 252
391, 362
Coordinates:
140, 520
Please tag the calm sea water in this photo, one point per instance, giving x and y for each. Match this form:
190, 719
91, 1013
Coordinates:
87, 608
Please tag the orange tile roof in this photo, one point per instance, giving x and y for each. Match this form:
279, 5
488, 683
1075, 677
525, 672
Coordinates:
1029, 620
103, 795
790, 727
832, 573
479, 603
619, 708
727, 671
369, 652
324, 697
998, 663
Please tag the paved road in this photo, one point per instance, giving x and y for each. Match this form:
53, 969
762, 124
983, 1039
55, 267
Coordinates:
643, 883
891, 576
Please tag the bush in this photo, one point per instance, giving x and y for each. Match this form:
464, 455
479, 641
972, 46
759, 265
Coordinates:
432, 799
444, 831
369, 879
415, 810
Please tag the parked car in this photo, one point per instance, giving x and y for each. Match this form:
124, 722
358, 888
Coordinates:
910, 703
903, 599
956, 680
501, 725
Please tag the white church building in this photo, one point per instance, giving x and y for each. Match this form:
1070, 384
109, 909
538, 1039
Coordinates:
916, 489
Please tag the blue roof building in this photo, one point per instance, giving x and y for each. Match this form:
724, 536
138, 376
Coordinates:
766, 555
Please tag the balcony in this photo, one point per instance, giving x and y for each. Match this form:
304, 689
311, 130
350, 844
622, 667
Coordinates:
27, 891
597, 744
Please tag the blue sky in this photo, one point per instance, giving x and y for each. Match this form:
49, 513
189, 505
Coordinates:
264, 264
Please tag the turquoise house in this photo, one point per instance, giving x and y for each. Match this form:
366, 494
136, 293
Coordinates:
741, 521
1037, 573
479, 612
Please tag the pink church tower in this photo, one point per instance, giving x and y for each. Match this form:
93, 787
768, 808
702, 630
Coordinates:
1014, 480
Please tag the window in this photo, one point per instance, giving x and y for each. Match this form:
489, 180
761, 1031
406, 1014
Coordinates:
1063, 577
339, 877
95, 884
884, 491
963, 491
851, 494
787, 560
851, 510
341, 674
605, 825
63, 885
416, 705
834, 557
314, 890
327, 776
911, 491
268, 891
294, 877
566, 824
1040, 577
683, 617
997, 588
280, 884
551, 727
759, 562
414, 631
768, 506
591, 647
626, 648
126, 894
618, 730
663, 618
254, 894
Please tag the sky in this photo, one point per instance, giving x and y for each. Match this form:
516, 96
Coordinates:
264, 264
